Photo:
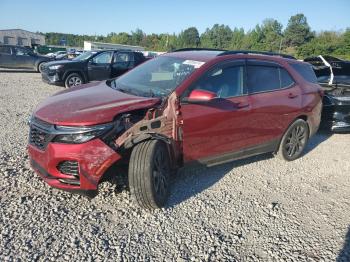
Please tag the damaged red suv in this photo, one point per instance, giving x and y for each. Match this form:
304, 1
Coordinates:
192, 105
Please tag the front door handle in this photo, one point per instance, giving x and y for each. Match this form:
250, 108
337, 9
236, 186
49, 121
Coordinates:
241, 105
291, 95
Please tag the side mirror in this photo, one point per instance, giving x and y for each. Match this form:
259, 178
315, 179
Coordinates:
200, 96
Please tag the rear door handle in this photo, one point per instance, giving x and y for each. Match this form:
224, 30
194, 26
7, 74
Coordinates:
291, 95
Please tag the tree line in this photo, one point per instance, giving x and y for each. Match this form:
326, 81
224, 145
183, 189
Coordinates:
296, 39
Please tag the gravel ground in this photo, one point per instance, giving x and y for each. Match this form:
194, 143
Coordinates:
258, 209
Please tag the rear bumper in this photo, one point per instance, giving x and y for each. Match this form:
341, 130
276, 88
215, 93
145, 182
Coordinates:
93, 157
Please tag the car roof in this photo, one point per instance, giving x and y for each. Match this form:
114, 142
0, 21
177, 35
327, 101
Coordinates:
205, 55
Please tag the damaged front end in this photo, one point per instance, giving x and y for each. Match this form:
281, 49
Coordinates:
162, 122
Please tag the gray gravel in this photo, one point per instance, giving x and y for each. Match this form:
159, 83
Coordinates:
258, 209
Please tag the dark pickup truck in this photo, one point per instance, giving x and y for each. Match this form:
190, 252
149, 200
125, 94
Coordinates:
90, 66
18, 57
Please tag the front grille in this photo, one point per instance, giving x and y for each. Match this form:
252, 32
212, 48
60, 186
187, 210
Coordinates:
38, 137
69, 168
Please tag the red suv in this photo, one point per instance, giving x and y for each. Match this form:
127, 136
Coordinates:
192, 105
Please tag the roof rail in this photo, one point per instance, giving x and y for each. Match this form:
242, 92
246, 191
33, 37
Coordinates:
247, 52
198, 49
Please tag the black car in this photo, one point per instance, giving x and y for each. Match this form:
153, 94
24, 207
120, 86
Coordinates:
18, 57
333, 74
91, 66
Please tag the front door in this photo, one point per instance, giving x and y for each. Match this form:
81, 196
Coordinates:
99, 67
221, 125
122, 62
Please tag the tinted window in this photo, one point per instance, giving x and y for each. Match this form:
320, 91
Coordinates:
305, 70
286, 79
5, 50
21, 51
225, 81
262, 78
123, 57
104, 58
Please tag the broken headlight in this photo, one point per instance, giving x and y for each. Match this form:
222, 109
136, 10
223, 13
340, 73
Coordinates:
78, 135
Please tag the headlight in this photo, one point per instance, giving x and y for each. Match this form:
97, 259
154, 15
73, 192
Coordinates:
78, 135
55, 67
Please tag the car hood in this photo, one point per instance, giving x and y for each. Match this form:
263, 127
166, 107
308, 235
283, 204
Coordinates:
62, 62
90, 104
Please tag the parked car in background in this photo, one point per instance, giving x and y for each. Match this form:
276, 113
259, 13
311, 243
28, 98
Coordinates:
89, 66
189, 106
55, 54
18, 57
333, 74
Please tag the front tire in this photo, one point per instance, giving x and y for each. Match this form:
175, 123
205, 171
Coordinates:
39, 68
72, 80
294, 141
149, 174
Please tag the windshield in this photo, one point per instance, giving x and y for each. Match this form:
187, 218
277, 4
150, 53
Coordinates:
157, 77
84, 56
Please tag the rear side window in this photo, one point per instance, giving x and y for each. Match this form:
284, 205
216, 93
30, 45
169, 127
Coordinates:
286, 79
5, 50
263, 78
306, 71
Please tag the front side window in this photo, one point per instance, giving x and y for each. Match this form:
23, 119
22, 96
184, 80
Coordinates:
104, 58
223, 81
21, 51
123, 57
157, 77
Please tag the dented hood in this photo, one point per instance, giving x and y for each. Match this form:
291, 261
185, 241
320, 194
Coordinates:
90, 104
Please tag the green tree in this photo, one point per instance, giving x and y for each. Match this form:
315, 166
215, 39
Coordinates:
189, 37
271, 31
137, 36
297, 31
219, 36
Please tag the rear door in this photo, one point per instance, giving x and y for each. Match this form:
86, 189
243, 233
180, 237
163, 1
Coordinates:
99, 67
6, 57
275, 100
122, 62
220, 126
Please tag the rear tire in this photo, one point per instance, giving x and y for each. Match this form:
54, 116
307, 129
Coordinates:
72, 80
149, 174
294, 141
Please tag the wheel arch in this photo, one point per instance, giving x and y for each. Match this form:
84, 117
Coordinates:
168, 142
302, 117
79, 72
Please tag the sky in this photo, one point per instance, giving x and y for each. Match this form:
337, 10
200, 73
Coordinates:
154, 16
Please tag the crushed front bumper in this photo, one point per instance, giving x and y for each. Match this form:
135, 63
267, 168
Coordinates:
93, 157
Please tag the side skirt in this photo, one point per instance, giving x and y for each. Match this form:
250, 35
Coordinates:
270, 146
